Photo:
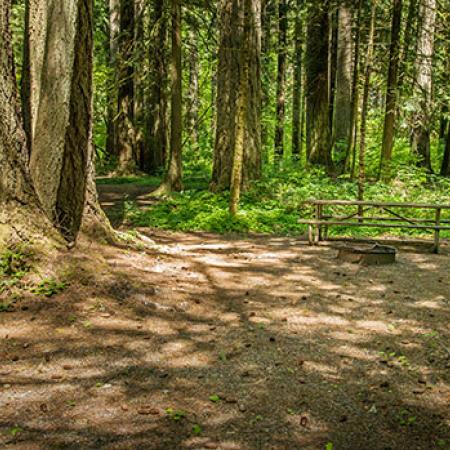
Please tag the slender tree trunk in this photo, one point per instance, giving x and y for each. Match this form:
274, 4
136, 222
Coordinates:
155, 149
281, 79
125, 138
194, 93
351, 150
228, 78
410, 29
424, 78
365, 107
342, 109
241, 117
332, 70
173, 178
63, 117
317, 85
114, 27
267, 13
297, 89
391, 91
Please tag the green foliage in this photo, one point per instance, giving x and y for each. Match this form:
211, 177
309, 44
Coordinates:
49, 287
176, 414
274, 204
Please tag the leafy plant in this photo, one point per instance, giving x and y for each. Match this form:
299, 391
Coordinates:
214, 398
176, 414
49, 288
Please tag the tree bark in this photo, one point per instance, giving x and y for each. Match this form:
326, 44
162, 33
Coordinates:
365, 107
174, 174
62, 94
155, 150
21, 217
445, 168
241, 122
391, 91
281, 80
423, 87
194, 93
342, 107
317, 85
228, 77
297, 88
125, 132
114, 25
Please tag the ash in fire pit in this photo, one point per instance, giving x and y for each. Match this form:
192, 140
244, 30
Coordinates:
367, 254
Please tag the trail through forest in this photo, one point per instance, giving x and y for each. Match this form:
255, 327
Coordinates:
216, 342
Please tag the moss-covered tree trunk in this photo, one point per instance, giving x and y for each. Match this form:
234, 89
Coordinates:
228, 79
61, 87
317, 85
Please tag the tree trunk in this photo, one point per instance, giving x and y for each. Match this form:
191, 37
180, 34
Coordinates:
155, 149
125, 132
241, 122
410, 29
228, 77
20, 214
317, 85
342, 107
365, 107
114, 26
281, 79
424, 77
391, 91
62, 108
297, 89
173, 178
194, 93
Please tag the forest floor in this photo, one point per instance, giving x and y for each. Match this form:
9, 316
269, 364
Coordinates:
208, 341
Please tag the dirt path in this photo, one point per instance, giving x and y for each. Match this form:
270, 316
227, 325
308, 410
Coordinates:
227, 343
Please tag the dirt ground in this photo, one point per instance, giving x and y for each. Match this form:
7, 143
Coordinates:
224, 342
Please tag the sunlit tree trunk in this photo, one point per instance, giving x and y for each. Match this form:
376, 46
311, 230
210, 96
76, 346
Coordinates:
228, 78
61, 108
424, 78
194, 93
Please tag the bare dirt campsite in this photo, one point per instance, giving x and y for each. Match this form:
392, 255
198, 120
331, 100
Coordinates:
204, 341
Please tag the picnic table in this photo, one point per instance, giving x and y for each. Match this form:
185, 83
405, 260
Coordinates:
393, 216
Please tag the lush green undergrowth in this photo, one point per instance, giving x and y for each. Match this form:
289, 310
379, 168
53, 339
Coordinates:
275, 203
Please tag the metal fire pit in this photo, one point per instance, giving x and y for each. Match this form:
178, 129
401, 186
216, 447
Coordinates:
367, 254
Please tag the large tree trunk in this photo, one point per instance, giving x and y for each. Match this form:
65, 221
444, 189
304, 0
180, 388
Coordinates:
424, 71
227, 109
317, 85
281, 79
391, 90
61, 58
445, 168
297, 88
125, 132
342, 107
20, 213
156, 122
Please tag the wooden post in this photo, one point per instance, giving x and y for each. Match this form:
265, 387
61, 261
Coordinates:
436, 231
318, 227
310, 234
